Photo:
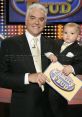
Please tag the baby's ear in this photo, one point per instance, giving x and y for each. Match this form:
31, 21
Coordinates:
78, 38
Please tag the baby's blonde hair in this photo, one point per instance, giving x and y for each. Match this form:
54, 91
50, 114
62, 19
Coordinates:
77, 26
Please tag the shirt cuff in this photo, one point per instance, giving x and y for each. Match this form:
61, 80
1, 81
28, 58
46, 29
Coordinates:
73, 70
47, 54
26, 78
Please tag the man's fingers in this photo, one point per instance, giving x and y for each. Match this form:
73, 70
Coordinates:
47, 79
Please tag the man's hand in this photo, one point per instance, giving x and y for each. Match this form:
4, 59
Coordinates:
39, 78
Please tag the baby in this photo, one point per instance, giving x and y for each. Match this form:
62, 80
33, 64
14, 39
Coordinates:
69, 53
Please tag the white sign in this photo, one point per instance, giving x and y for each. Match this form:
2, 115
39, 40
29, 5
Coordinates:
67, 86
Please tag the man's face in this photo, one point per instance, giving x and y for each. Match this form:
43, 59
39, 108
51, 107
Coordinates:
70, 34
35, 21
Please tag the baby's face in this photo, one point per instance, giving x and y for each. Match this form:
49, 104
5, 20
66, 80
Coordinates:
70, 34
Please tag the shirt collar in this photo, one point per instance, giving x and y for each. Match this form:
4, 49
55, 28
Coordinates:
30, 37
67, 43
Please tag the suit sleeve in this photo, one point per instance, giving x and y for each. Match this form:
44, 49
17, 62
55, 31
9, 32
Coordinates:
77, 61
8, 78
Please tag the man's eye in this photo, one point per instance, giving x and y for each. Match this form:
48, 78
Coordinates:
65, 32
41, 19
32, 17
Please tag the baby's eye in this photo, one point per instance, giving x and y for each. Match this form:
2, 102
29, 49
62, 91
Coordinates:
72, 33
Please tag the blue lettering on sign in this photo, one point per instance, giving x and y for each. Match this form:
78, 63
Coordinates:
62, 81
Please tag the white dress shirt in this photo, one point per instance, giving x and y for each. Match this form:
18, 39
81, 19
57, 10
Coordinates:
64, 46
31, 44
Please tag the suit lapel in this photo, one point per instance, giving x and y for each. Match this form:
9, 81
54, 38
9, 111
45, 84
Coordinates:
69, 48
25, 49
44, 59
42, 50
24, 44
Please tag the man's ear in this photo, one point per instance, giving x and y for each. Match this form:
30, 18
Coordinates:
79, 37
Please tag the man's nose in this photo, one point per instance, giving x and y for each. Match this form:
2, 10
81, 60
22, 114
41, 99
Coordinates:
37, 21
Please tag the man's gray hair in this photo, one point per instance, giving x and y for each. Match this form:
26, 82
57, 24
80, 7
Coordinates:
37, 5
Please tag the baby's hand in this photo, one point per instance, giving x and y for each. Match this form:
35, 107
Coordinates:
67, 69
52, 58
